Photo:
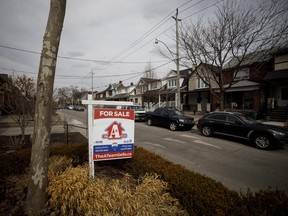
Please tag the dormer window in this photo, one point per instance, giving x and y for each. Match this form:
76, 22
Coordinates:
171, 83
242, 74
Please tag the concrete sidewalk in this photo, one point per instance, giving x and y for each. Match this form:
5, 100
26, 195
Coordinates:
8, 127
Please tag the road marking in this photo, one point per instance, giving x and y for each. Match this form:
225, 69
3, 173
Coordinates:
204, 143
174, 140
155, 144
189, 136
199, 141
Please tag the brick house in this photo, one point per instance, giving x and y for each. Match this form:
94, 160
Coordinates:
261, 85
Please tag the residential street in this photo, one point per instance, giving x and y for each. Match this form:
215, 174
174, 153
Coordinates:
236, 164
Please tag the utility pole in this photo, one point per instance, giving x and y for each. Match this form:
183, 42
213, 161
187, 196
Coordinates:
92, 84
178, 95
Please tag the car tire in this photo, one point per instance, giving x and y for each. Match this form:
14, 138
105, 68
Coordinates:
173, 126
149, 122
262, 141
207, 131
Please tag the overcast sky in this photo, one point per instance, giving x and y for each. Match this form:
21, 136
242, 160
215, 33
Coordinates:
112, 38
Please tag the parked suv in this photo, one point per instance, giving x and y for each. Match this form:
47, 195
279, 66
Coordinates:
169, 117
237, 125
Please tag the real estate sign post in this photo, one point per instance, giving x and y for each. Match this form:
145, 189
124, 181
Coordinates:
110, 132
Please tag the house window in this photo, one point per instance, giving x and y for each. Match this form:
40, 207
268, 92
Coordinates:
154, 85
172, 83
201, 83
242, 74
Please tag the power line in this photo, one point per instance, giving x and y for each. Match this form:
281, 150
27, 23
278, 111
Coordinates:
149, 32
77, 59
77, 77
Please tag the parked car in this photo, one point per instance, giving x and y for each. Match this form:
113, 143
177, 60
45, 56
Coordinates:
237, 125
138, 111
169, 117
79, 108
70, 107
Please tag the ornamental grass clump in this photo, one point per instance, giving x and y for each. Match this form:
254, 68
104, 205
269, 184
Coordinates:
72, 193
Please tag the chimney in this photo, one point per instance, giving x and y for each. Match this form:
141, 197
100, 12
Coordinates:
120, 82
194, 67
131, 84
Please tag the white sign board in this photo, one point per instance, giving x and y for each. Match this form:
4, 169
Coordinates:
113, 136
105, 143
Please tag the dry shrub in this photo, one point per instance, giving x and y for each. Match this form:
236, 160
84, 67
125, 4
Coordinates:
71, 193
14, 195
58, 164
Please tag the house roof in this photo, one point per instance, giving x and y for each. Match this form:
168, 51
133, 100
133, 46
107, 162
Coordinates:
250, 59
118, 96
209, 66
183, 73
149, 92
149, 80
164, 90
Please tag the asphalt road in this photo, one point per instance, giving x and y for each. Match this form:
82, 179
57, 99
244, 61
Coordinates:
237, 165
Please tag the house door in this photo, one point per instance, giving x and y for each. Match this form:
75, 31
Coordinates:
282, 96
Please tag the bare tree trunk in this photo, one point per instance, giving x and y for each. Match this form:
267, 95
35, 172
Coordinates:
221, 101
36, 197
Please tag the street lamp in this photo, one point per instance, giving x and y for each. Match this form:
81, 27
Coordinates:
178, 102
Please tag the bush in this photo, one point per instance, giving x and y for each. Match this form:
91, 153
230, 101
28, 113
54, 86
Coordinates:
197, 194
201, 195
72, 193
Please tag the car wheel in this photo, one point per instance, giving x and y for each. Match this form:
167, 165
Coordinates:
149, 122
173, 126
207, 131
262, 141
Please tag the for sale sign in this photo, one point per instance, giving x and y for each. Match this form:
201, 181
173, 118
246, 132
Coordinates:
113, 134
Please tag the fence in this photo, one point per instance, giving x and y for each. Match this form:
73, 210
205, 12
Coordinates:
66, 127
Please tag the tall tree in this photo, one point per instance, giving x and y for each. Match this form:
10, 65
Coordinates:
149, 71
19, 101
239, 31
37, 197
70, 95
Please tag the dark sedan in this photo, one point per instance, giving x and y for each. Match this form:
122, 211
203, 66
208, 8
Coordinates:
171, 118
237, 125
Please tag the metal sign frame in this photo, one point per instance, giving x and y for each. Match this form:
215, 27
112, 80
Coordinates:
90, 104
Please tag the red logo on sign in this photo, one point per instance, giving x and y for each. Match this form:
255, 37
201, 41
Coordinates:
114, 131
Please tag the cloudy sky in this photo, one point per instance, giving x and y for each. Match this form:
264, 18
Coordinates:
114, 39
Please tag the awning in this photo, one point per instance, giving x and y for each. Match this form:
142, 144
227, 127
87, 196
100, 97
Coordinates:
276, 75
243, 85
